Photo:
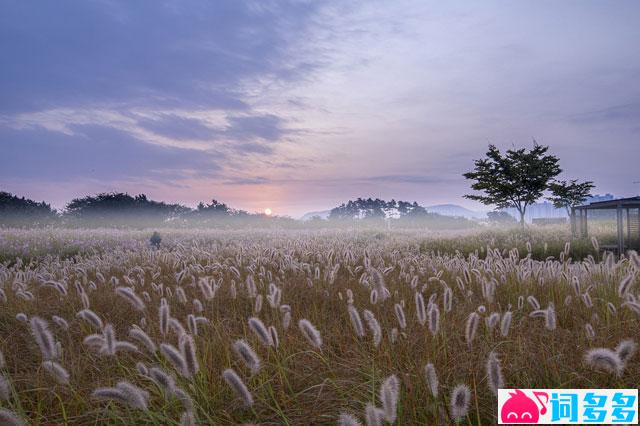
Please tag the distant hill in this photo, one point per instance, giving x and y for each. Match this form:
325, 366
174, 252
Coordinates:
456, 210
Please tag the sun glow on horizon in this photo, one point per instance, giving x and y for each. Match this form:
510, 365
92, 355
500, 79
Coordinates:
268, 211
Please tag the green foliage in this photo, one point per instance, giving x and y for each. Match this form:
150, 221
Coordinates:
569, 194
15, 211
516, 179
120, 209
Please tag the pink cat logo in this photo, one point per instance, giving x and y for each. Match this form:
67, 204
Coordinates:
519, 408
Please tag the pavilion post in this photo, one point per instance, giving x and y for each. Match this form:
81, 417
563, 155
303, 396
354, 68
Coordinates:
585, 232
628, 225
573, 222
620, 231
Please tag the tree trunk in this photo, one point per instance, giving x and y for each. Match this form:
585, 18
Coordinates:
522, 219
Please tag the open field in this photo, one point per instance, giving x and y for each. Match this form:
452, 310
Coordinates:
383, 302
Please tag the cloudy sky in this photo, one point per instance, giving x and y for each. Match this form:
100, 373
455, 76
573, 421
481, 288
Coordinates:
301, 105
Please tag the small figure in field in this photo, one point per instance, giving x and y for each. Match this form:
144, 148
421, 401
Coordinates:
155, 239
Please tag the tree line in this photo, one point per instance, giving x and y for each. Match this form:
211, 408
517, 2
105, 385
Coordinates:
119, 210
123, 210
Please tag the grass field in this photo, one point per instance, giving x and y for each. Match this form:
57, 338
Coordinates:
82, 311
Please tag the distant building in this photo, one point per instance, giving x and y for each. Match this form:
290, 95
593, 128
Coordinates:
546, 210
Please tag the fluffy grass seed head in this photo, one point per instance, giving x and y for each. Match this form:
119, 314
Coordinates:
235, 382
311, 333
459, 403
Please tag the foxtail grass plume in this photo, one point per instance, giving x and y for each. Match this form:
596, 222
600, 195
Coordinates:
374, 416
447, 299
633, 306
625, 285
58, 372
471, 327
311, 333
495, 380
434, 319
164, 314
421, 312
124, 393
109, 335
550, 321
492, 320
588, 328
286, 320
44, 338
247, 355
235, 382
274, 336
9, 418
460, 400
356, 322
533, 302
389, 393
142, 369
176, 358
91, 317
164, 380
188, 419
505, 324
625, 350
257, 306
188, 350
348, 420
402, 322
378, 282
259, 329
192, 324
393, 335
373, 296
432, 379
143, 338
5, 388
176, 326
128, 294
60, 322
605, 360
184, 398
374, 327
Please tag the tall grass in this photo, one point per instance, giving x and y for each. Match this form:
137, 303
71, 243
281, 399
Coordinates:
280, 327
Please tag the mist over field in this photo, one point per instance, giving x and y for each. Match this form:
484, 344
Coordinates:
293, 212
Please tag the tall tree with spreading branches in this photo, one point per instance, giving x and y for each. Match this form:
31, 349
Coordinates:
516, 179
565, 195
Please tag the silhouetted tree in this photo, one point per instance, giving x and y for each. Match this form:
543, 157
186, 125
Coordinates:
121, 209
20, 211
215, 207
516, 179
565, 195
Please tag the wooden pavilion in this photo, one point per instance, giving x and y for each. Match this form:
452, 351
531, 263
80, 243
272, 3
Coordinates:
627, 216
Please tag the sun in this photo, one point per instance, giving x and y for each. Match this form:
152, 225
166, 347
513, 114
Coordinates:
267, 211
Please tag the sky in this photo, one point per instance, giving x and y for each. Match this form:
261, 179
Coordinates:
302, 105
